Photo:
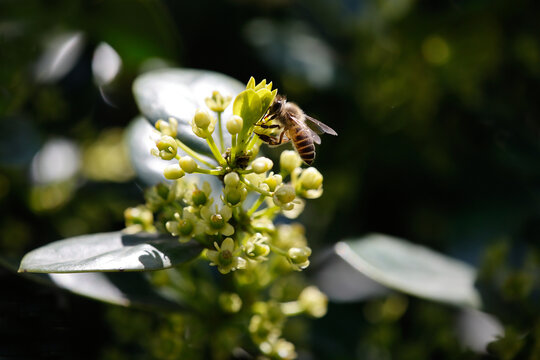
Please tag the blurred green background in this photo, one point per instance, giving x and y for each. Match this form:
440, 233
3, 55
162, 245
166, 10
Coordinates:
436, 106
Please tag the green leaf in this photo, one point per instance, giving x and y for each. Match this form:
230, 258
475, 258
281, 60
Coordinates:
248, 106
412, 269
110, 252
267, 97
125, 289
178, 93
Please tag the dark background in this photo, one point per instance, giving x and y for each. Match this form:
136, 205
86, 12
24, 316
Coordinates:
437, 112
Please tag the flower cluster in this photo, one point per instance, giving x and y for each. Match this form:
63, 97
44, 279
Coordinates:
234, 221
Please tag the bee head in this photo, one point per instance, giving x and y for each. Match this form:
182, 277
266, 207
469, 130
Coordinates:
277, 105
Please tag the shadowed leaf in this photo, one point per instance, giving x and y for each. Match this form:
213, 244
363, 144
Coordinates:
412, 269
110, 252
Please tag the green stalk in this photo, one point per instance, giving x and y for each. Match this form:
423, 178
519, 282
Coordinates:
254, 188
256, 205
254, 140
278, 250
210, 172
233, 148
270, 212
215, 150
193, 154
221, 142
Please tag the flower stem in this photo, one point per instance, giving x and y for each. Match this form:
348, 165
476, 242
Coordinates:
233, 148
193, 154
254, 188
256, 205
270, 212
214, 149
254, 140
278, 250
221, 142
210, 171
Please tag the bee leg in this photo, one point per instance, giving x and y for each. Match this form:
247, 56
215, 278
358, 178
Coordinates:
281, 140
270, 140
264, 126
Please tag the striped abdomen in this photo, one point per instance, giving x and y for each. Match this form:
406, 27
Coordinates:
303, 142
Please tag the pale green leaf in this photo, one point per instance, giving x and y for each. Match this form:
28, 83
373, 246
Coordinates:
412, 269
178, 93
110, 252
125, 289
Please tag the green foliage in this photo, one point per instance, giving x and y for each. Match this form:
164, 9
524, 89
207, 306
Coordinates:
114, 251
412, 269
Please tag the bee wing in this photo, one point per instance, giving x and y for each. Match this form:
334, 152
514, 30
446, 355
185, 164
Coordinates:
318, 126
316, 138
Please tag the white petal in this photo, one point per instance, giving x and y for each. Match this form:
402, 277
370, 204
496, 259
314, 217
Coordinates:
228, 244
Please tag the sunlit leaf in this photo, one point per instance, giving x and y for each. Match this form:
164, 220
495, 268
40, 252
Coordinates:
179, 93
412, 269
110, 252
125, 289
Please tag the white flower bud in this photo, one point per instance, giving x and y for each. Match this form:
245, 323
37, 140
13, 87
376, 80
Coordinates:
234, 124
284, 195
284, 349
261, 165
311, 179
273, 181
167, 127
167, 147
289, 160
299, 257
231, 179
187, 164
313, 301
173, 172
202, 119
230, 302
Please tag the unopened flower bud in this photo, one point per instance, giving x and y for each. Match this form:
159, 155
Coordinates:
172, 227
231, 179
284, 349
273, 181
167, 147
289, 160
261, 165
299, 257
187, 164
173, 172
311, 179
140, 218
167, 127
234, 124
313, 301
284, 195
199, 197
234, 195
230, 302
202, 119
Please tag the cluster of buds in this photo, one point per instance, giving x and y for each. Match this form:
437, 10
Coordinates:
237, 228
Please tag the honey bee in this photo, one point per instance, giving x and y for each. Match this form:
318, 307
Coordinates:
295, 126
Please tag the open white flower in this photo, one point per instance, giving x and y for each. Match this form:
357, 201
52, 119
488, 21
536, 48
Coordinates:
216, 221
224, 257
